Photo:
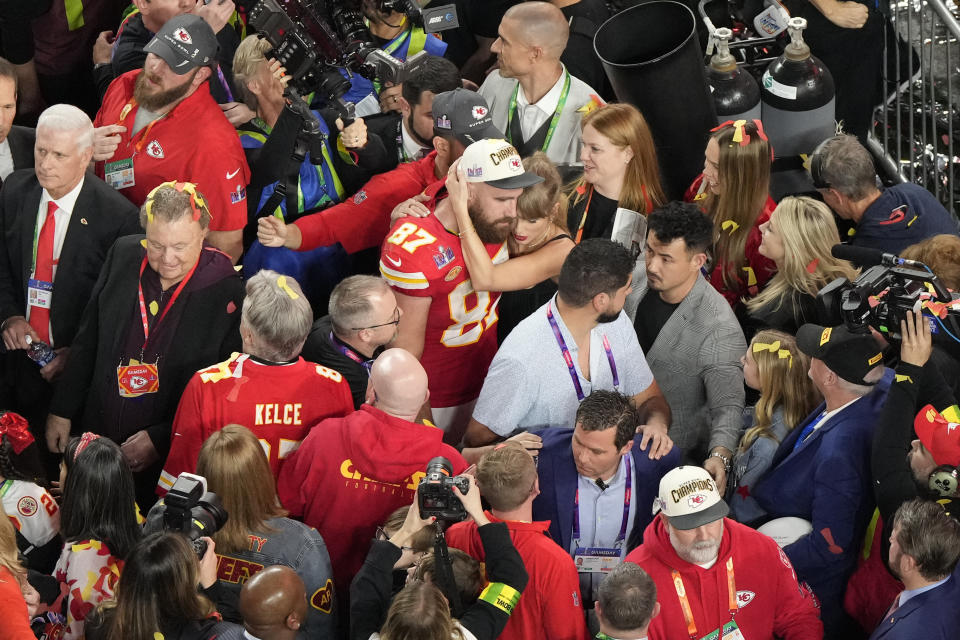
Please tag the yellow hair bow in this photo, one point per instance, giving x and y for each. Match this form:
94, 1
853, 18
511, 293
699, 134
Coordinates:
774, 347
729, 224
282, 283
196, 200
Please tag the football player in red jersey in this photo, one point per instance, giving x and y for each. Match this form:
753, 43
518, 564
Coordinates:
268, 388
445, 322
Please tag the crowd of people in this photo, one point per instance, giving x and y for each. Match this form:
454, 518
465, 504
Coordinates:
273, 367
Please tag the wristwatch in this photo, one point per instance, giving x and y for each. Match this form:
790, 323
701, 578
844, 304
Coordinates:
726, 460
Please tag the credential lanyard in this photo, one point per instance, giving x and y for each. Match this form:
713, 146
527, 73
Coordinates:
143, 133
685, 603
583, 219
166, 309
553, 120
350, 353
569, 359
628, 489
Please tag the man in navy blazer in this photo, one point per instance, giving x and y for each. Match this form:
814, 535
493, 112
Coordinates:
592, 462
821, 471
924, 549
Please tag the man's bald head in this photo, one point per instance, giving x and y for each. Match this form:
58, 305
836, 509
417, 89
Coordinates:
273, 603
398, 384
540, 24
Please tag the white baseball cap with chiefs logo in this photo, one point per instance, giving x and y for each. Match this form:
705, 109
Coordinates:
689, 497
497, 163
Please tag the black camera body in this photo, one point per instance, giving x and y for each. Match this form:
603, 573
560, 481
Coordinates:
190, 509
435, 495
882, 297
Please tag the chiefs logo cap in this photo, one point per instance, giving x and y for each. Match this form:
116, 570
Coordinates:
688, 496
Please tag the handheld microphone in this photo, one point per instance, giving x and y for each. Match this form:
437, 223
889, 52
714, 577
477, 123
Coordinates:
867, 257
600, 483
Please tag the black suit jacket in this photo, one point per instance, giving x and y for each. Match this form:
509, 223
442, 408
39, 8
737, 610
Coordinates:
21, 141
100, 216
208, 331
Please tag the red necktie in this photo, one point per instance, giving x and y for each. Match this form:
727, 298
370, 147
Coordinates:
39, 316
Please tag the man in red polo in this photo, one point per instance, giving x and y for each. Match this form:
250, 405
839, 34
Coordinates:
160, 123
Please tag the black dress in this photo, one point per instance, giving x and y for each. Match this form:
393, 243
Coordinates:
517, 305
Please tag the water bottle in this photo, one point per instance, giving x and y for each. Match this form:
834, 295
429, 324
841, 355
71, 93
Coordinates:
40, 352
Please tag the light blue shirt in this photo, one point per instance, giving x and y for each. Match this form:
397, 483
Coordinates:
528, 385
601, 514
905, 596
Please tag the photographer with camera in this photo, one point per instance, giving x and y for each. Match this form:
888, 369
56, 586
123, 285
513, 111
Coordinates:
350, 473
157, 595
552, 607
421, 609
257, 534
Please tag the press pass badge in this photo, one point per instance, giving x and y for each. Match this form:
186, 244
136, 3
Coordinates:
135, 380
730, 631
119, 174
39, 293
596, 559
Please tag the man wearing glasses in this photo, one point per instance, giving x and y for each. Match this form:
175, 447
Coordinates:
363, 320
268, 388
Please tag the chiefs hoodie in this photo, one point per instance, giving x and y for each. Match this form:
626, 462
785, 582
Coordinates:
351, 473
769, 599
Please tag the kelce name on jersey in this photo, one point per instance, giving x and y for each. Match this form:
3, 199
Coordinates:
279, 414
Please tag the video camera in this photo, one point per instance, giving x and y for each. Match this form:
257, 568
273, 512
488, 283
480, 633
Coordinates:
885, 293
313, 39
190, 509
435, 495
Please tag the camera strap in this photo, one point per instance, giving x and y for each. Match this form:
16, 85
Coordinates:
443, 572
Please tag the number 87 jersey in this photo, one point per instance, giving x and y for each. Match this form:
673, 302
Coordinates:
422, 258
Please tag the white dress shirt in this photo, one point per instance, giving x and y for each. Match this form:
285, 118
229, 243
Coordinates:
532, 116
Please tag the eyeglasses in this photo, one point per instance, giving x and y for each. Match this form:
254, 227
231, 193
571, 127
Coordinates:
395, 321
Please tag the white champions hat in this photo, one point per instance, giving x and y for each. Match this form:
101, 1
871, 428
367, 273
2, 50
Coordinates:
497, 163
689, 497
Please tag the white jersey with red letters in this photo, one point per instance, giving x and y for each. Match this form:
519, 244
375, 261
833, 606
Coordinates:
279, 403
422, 258
32, 510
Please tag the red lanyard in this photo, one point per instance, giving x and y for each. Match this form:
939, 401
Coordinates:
685, 603
127, 108
173, 298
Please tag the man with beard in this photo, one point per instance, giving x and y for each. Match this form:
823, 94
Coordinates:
446, 323
577, 343
691, 338
160, 123
924, 549
716, 575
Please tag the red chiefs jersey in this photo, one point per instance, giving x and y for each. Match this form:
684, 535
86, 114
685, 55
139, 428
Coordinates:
422, 258
194, 143
279, 403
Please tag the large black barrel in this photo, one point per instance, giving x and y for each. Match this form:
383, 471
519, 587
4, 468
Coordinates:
653, 60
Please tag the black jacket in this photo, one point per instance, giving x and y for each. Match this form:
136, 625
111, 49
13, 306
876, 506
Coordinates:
207, 333
100, 216
21, 141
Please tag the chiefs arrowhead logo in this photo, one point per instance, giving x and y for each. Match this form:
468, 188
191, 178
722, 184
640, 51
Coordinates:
137, 382
744, 598
515, 163
695, 501
479, 111
181, 34
154, 150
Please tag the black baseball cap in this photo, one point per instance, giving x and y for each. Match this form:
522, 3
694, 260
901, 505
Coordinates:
850, 355
184, 42
465, 115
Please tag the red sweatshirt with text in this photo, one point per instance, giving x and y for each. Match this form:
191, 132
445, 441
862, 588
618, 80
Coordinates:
350, 473
770, 602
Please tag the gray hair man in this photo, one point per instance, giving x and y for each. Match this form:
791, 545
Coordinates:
363, 320
890, 219
268, 388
